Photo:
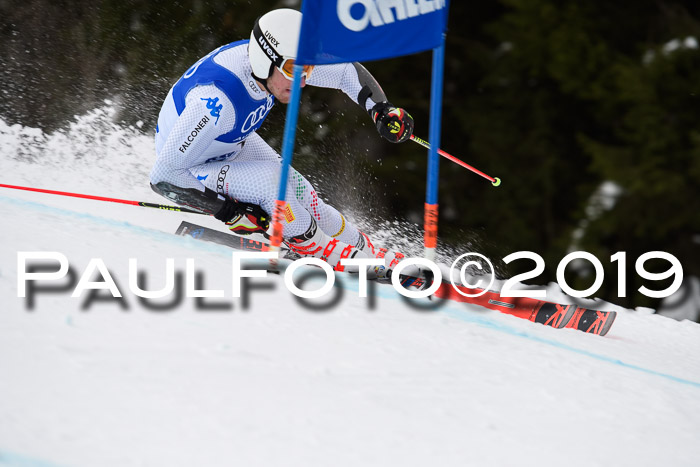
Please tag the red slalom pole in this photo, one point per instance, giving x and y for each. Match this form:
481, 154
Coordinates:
495, 181
143, 204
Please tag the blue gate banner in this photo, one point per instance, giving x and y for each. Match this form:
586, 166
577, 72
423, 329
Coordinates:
338, 31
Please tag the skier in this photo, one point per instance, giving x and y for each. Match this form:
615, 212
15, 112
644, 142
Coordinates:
210, 157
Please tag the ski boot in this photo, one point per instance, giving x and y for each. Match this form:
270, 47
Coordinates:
391, 258
314, 242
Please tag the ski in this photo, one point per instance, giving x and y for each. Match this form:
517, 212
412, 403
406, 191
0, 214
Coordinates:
188, 229
551, 314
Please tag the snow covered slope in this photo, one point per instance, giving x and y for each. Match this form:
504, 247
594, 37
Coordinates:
271, 381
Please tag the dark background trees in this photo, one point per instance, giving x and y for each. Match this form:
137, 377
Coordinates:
588, 111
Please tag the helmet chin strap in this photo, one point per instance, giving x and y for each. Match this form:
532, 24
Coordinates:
263, 81
258, 34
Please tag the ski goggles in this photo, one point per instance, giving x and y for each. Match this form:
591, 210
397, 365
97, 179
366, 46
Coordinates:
284, 64
287, 69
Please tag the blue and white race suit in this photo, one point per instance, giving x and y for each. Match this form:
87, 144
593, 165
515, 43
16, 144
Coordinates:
206, 137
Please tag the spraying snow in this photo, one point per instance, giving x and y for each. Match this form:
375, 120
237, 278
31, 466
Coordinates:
269, 380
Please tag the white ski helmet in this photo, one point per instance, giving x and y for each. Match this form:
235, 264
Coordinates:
274, 38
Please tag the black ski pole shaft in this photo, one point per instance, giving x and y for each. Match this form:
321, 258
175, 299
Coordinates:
144, 204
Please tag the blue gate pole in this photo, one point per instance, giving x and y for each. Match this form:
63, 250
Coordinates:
431, 196
290, 129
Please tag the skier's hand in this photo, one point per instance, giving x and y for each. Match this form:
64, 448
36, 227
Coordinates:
393, 123
243, 218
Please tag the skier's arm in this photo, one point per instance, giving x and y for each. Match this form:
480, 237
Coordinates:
192, 133
207, 115
371, 90
394, 124
351, 78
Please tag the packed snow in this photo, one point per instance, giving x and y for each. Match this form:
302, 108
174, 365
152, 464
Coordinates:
267, 379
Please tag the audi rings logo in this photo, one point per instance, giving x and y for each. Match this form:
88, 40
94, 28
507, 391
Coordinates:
221, 179
257, 116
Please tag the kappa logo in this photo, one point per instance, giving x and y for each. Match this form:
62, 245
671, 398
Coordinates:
215, 109
382, 12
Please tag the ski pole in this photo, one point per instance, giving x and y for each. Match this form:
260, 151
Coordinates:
495, 181
143, 204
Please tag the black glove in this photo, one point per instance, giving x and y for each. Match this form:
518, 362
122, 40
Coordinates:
243, 218
392, 123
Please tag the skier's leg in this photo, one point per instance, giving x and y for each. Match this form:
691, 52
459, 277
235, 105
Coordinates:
256, 182
253, 177
329, 219
334, 224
